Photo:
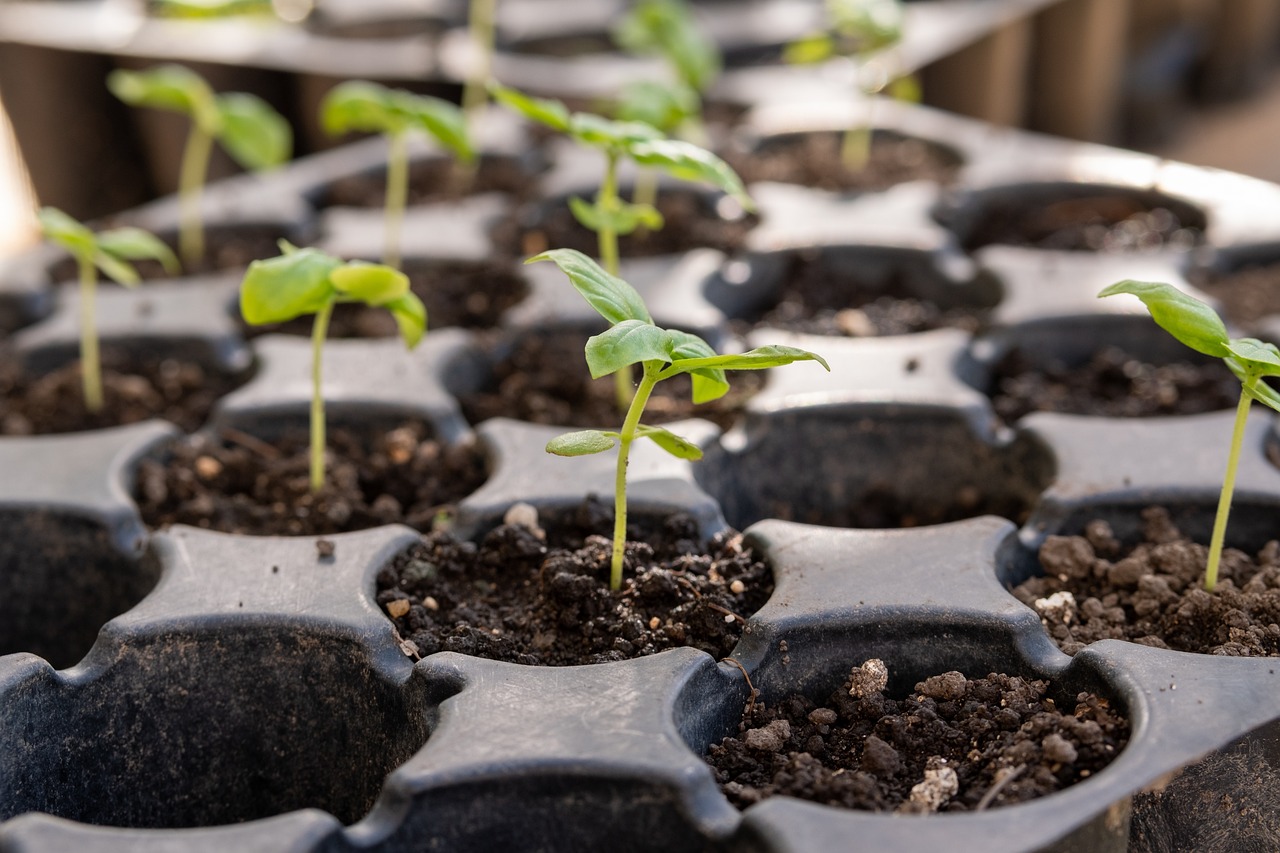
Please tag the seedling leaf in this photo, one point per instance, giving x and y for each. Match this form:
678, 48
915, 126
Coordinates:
665, 107
1261, 359
623, 218
582, 443
675, 445
613, 298
601, 132
1185, 317
288, 286
135, 244
360, 106
691, 163
626, 343
756, 359
115, 269
411, 318
372, 283
66, 231
437, 117
253, 133
167, 87
546, 111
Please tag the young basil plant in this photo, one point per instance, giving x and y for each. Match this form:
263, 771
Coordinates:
371, 108
255, 135
858, 30
1198, 326
109, 251
662, 353
307, 281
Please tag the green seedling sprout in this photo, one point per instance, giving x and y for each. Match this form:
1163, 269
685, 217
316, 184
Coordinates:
858, 30
255, 135
662, 353
481, 19
1198, 326
307, 281
609, 216
109, 251
371, 108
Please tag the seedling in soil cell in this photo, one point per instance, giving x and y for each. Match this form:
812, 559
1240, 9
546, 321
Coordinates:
255, 135
307, 281
371, 108
1198, 326
861, 31
609, 216
662, 353
109, 251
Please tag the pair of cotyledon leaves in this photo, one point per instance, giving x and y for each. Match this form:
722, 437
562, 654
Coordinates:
110, 251
371, 108
853, 27
668, 28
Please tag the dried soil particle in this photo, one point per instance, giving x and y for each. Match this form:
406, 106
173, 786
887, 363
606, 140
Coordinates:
1153, 593
1102, 223
433, 180
239, 484
544, 380
1111, 383
522, 598
134, 389
814, 160
1247, 294
955, 744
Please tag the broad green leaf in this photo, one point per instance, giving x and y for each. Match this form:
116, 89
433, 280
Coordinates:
115, 269
604, 133
817, 47
759, 358
1185, 317
709, 383
688, 162
670, 442
167, 87
441, 119
66, 231
1256, 357
667, 28
373, 284
612, 297
624, 218
288, 286
582, 443
587, 214
551, 113
665, 107
627, 343
411, 318
254, 134
358, 105
134, 244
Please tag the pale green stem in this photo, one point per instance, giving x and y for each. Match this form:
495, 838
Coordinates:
397, 196
195, 165
625, 438
90, 363
855, 148
607, 240
475, 92
318, 332
1228, 487
646, 192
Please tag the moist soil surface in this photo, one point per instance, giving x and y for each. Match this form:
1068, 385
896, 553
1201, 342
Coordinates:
134, 389
955, 744
1247, 294
1103, 223
814, 160
539, 596
543, 379
433, 180
226, 248
1093, 588
236, 483
1113, 384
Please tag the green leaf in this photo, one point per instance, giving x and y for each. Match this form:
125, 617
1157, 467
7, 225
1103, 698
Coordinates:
66, 231
624, 218
613, 298
587, 214
759, 358
211, 8
168, 87
582, 443
1185, 317
551, 113
1256, 357
441, 119
254, 134
1263, 393
670, 442
817, 47
134, 244
870, 24
372, 284
600, 132
709, 383
358, 105
668, 28
627, 343
116, 269
665, 107
688, 162
288, 286
411, 318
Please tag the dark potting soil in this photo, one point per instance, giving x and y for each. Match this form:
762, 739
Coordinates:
691, 221
955, 744
226, 248
1103, 223
534, 595
815, 299
473, 296
134, 389
1113, 384
431, 180
237, 483
814, 160
531, 383
1093, 588
1246, 294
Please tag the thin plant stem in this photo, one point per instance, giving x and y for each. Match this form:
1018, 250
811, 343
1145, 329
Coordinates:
195, 165
1228, 487
607, 240
90, 362
481, 25
855, 146
646, 192
318, 332
397, 196
625, 437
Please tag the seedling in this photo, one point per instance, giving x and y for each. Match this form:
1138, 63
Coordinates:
609, 216
307, 281
662, 353
480, 27
1199, 327
109, 251
255, 135
667, 28
371, 108
858, 30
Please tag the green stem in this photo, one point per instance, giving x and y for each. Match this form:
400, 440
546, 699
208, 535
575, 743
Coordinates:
625, 438
90, 363
195, 165
397, 196
607, 240
855, 147
646, 192
1228, 487
318, 332
475, 92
